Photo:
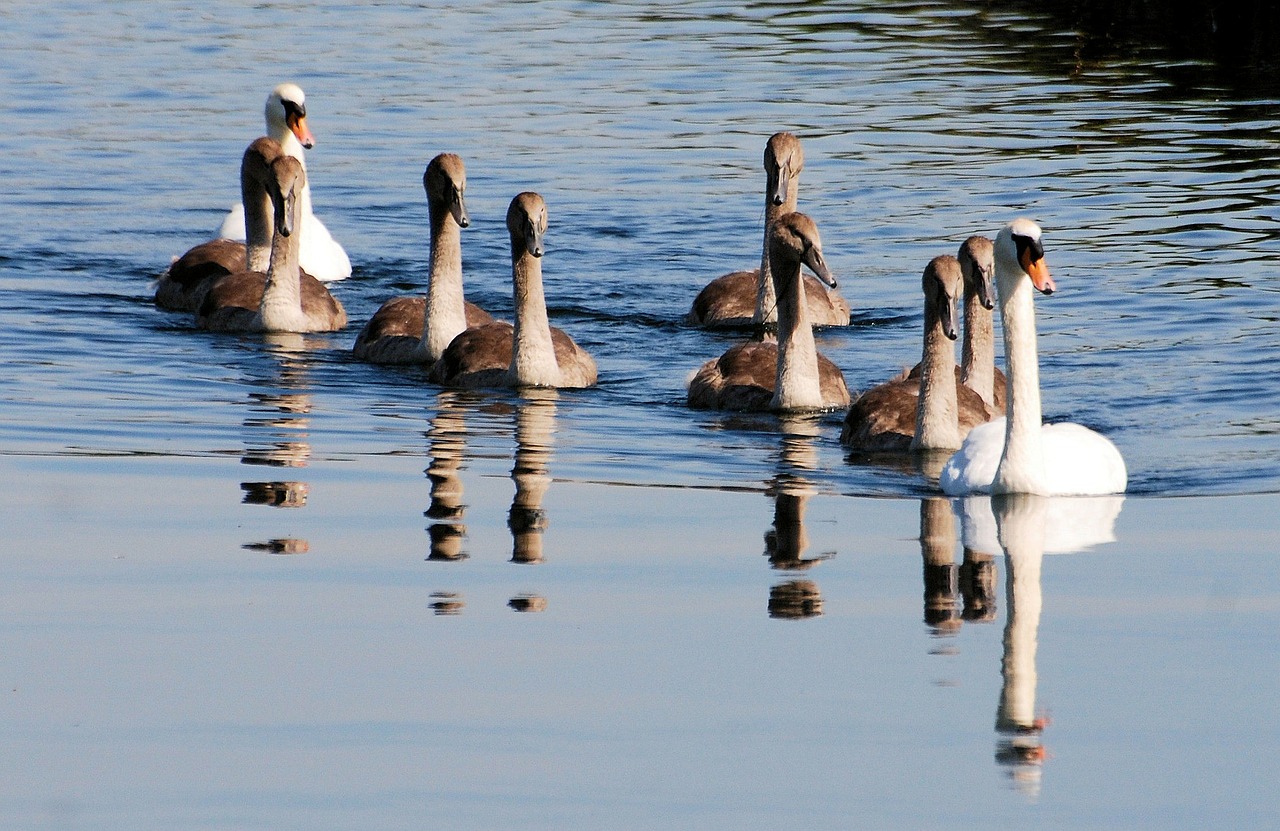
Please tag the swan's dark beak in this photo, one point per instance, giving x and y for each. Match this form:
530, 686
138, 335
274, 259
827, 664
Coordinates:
533, 239
459, 210
947, 318
986, 290
813, 259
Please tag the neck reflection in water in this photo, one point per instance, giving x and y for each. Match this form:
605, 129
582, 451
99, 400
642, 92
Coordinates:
787, 540
1025, 528
276, 434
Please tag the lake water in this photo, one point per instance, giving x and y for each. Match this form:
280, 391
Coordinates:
252, 583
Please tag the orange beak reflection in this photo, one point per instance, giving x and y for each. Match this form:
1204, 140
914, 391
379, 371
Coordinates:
1038, 271
298, 126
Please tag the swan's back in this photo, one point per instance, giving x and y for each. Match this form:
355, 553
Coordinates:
744, 379
883, 419
1077, 461
184, 283
394, 334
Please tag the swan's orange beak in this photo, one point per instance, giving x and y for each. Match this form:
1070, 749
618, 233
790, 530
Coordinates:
297, 122
1038, 271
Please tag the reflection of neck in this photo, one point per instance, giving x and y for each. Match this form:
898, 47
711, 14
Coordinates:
447, 445
535, 426
1021, 521
937, 548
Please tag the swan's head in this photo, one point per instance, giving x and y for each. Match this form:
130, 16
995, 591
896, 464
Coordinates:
783, 161
794, 239
286, 112
527, 222
943, 283
977, 262
1019, 249
285, 182
446, 184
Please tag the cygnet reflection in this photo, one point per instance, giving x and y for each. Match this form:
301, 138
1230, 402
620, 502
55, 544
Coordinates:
446, 444
276, 434
535, 438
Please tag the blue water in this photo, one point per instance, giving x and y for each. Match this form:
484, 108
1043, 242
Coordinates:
131, 441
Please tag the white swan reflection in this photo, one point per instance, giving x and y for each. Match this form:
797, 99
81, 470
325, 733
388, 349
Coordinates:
1026, 528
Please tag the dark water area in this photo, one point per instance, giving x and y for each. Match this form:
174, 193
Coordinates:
252, 582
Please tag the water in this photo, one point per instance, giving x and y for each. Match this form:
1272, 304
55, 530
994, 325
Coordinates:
165, 663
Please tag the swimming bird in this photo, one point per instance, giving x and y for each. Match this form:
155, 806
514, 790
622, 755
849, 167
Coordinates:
320, 254
931, 411
977, 369
743, 298
416, 330
532, 353
1020, 454
283, 299
787, 375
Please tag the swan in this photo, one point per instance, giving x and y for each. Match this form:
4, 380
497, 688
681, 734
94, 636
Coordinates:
183, 285
977, 369
1029, 457
321, 255
533, 353
416, 330
743, 298
932, 411
283, 299
788, 375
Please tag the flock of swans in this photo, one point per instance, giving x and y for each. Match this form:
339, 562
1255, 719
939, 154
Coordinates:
268, 267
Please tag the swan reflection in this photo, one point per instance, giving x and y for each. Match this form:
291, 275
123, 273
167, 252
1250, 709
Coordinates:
786, 542
446, 443
277, 425
535, 431
1025, 528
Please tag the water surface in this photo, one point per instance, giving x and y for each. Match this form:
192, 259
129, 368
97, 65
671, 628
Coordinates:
225, 606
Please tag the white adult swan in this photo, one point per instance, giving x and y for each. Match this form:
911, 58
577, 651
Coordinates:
283, 299
788, 375
1029, 457
320, 256
533, 353
414, 329
744, 298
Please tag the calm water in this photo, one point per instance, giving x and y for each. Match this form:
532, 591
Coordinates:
729, 624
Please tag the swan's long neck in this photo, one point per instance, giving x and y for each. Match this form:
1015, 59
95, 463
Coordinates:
258, 217
978, 356
937, 412
1021, 518
533, 355
281, 307
1022, 463
797, 385
766, 313
446, 314
292, 147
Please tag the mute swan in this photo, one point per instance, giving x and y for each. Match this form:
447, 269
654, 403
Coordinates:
932, 411
788, 375
743, 298
321, 256
532, 353
416, 330
1029, 457
283, 299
